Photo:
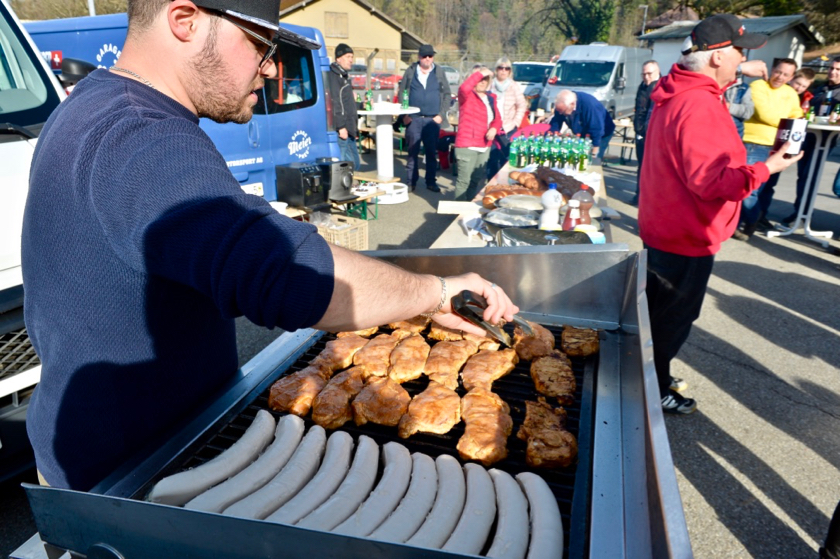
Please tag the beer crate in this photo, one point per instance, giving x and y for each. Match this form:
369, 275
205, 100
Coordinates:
347, 232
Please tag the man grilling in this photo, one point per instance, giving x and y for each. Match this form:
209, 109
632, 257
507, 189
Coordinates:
694, 176
139, 248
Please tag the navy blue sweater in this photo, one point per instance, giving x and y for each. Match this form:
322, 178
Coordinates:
139, 249
589, 117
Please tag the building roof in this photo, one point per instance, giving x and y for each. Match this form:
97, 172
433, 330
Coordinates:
409, 41
680, 13
765, 25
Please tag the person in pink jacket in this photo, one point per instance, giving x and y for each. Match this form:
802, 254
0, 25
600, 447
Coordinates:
513, 106
478, 123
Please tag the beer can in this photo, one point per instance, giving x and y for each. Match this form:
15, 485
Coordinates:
793, 130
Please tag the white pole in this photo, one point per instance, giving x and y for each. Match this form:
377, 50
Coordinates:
644, 18
91, 7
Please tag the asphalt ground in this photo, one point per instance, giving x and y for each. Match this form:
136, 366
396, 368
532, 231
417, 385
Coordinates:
758, 464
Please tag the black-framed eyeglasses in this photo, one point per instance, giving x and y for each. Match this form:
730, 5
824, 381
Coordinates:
272, 46
503, 68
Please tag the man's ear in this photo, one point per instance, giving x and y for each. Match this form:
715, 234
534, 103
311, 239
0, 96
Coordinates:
717, 54
184, 19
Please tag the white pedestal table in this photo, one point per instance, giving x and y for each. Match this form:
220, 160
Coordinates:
385, 113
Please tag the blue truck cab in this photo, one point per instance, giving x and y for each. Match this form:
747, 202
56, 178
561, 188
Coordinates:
291, 123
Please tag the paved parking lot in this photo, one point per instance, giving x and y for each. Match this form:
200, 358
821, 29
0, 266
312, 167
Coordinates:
759, 463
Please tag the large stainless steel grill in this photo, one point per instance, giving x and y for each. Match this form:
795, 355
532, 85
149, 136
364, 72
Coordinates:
620, 501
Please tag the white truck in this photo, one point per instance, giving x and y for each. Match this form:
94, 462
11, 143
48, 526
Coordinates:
29, 92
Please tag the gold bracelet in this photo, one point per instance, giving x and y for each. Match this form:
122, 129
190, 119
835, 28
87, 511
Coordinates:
442, 300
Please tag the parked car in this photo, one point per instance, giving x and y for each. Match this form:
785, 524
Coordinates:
531, 76
383, 80
453, 76
358, 75
611, 74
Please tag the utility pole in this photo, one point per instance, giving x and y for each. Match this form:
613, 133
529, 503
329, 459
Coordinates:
91, 8
644, 17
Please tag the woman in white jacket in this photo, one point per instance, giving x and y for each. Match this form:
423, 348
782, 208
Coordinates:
513, 106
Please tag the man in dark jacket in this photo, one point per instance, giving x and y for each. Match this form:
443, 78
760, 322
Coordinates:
650, 77
429, 90
345, 117
586, 116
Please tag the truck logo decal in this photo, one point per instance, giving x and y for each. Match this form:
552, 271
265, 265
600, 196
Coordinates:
108, 49
299, 146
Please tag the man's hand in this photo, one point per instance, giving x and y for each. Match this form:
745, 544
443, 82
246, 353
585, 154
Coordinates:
438, 119
490, 134
498, 304
754, 69
342, 133
777, 162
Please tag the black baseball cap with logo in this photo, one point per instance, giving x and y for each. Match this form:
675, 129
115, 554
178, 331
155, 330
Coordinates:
720, 31
265, 13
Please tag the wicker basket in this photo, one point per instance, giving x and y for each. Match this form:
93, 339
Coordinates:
350, 233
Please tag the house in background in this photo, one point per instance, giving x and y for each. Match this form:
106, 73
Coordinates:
358, 24
788, 37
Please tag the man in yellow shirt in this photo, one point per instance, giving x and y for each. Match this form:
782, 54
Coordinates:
774, 100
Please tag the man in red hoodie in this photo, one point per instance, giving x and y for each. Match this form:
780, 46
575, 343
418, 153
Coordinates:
695, 175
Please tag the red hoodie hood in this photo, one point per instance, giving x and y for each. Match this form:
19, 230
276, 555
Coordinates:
695, 172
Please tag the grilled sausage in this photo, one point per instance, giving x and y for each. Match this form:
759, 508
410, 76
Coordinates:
416, 504
546, 524
511, 539
329, 476
353, 490
387, 495
299, 470
447, 508
179, 488
479, 512
286, 439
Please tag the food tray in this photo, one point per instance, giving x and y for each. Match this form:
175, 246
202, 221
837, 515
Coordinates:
351, 233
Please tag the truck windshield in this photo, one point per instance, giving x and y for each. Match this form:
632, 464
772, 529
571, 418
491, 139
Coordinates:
569, 72
26, 95
294, 87
530, 72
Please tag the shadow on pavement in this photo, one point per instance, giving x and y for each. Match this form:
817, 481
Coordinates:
698, 442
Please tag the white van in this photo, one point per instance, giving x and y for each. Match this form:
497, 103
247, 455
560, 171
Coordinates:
29, 92
531, 77
610, 73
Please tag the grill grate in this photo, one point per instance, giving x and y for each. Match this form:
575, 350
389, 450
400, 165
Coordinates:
515, 389
16, 353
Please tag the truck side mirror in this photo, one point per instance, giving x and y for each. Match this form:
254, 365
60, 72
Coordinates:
621, 83
73, 70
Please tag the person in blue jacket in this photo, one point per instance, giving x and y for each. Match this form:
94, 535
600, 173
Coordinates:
584, 115
139, 248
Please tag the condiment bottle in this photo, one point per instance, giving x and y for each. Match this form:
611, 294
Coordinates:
586, 202
572, 218
551, 201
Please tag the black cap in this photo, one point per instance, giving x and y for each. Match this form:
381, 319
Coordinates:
720, 31
426, 50
342, 49
263, 13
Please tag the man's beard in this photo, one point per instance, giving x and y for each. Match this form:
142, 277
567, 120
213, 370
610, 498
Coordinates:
215, 97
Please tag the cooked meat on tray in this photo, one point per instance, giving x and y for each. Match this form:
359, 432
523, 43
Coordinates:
408, 359
579, 342
331, 408
446, 359
294, 393
414, 325
376, 355
531, 347
435, 410
381, 401
366, 333
548, 443
338, 354
553, 377
488, 426
486, 366
444, 334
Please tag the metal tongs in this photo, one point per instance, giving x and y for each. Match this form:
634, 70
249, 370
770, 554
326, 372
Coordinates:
471, 306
